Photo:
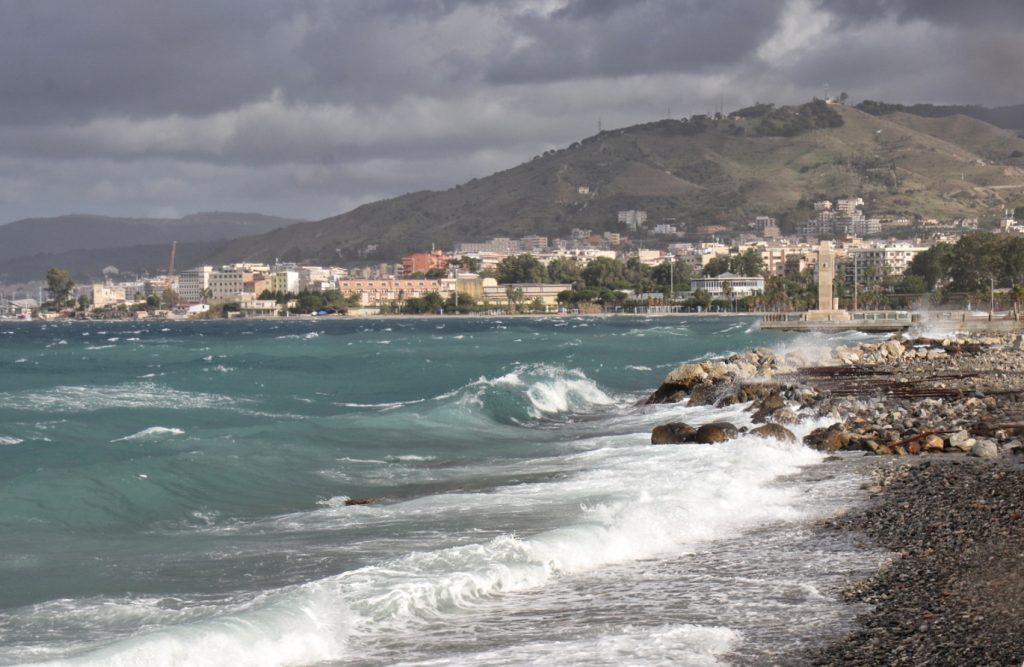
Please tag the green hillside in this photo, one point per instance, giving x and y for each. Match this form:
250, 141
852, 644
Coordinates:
701, 172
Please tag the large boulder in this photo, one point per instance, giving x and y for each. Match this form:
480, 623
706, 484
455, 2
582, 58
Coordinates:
894, 349
961, 440
776, 431
985, 449
715, 432
829, 439
705, 394
686, 375
673, 433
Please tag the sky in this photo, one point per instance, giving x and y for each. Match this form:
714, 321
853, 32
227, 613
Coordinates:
308, 108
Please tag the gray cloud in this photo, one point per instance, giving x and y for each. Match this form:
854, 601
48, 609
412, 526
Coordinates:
308, 107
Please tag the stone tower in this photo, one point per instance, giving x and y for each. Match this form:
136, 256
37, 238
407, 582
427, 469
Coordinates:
826, 275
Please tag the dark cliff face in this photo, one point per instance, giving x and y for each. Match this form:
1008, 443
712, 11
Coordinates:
704, 174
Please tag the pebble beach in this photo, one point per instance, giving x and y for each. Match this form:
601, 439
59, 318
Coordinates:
937, 427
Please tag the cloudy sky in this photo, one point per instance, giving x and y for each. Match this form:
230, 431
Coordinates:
306, 108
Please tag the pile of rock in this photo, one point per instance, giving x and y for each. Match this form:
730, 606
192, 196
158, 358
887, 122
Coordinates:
896, 397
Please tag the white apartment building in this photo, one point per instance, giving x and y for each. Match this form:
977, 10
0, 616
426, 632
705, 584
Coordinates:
872, 264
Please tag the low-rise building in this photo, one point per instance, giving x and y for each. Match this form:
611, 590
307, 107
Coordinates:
379, 292
729, 284
522, 294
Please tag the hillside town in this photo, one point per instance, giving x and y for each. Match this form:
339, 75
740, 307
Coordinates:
871, 254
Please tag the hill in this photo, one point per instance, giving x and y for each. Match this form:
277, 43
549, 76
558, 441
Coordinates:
1008, 117
87, 265
33, 236
702, 172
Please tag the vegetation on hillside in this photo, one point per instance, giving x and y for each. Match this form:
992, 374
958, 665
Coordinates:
708, 174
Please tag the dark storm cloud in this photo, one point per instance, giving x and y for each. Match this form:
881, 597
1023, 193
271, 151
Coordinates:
605, 38
956, 13
308, 106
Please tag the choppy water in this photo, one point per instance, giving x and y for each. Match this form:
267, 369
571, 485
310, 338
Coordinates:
174, 494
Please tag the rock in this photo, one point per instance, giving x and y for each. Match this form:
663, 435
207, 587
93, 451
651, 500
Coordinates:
716, 370
985, 449
893, 349
364, 501
776, 431
686, 375
784, 416
772, 402
828, 439
715, 432
729, 399
933, 443
961, 440
704, 394
672, 433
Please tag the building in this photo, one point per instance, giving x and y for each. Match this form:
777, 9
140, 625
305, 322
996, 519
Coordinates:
101, 295
873, 263
499, 245
766, 227
633, 220
379, 292
421, 262
533, 243
286, 282
739, 286
259, 308
849, 208
665, 229
524, 294
228, 284
192, 284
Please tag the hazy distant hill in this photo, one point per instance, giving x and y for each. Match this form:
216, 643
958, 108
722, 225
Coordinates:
1008, 117
697, 172
33, 236
86, 265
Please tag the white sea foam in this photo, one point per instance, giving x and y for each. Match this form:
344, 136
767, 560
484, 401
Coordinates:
548, 390
8, 440
628, 503
667, 645
151, 433
98, 397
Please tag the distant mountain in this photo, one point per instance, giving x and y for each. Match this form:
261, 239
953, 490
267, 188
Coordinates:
1008, 117
32, 236
88, 265
711, 175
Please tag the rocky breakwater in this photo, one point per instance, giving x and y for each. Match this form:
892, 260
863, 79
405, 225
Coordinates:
898, 397
914, 396
741, 378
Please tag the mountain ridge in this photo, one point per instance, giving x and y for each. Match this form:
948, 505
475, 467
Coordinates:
703, 172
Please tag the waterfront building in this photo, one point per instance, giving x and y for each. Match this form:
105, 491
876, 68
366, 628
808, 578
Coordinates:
740, 286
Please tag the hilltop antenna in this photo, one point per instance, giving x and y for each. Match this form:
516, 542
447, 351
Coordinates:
826, 92
599, 126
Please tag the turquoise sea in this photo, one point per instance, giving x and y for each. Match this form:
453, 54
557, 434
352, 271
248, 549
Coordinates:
175, 494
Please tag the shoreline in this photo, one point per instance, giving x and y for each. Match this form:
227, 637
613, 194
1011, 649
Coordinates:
936, 428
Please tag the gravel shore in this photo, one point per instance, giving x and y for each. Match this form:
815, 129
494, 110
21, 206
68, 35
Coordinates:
944, 422
954, 594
